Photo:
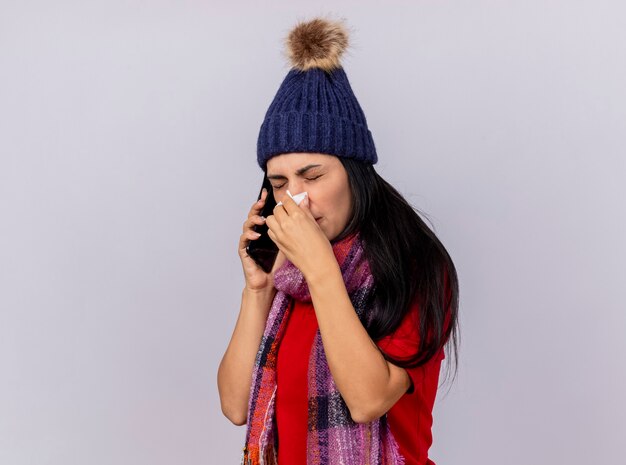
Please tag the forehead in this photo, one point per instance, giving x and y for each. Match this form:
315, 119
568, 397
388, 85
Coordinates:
290, 162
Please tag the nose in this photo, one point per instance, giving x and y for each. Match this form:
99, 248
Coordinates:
294, 187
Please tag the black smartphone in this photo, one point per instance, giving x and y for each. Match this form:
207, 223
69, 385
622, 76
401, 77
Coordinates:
264, 250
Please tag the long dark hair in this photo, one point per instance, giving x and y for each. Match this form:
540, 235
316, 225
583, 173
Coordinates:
407, 261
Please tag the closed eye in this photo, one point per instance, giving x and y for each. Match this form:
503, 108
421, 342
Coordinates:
308, 179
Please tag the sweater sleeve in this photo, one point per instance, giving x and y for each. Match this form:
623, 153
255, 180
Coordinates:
403, 343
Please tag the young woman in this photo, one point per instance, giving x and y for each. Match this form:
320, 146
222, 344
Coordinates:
336, 354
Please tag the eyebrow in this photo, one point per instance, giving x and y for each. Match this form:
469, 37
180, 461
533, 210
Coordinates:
299, 172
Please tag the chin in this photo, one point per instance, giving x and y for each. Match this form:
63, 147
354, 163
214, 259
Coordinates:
331, 237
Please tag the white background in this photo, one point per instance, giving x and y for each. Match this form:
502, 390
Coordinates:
128, 164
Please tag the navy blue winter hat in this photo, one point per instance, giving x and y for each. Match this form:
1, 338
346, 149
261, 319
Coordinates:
315, 109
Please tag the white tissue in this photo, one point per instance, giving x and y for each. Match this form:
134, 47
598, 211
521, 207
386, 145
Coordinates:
297, 198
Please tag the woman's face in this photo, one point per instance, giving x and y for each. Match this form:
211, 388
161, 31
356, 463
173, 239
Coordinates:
323, 177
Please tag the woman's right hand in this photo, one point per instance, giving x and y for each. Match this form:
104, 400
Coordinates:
256, 278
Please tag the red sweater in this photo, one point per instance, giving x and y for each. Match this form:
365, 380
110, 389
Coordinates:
410, 418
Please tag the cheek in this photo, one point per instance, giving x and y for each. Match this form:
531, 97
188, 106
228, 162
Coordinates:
329, 204
320, 203
346, 206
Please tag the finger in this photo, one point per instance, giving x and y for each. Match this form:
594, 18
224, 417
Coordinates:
246, 237
280, 211
289, 204
260, 202
252, 235
243, 243
253, 220
272, 236
258, 205
275, 238
304, 206
272, 223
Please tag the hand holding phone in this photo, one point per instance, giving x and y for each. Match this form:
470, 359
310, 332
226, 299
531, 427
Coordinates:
264, 250
259, 262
